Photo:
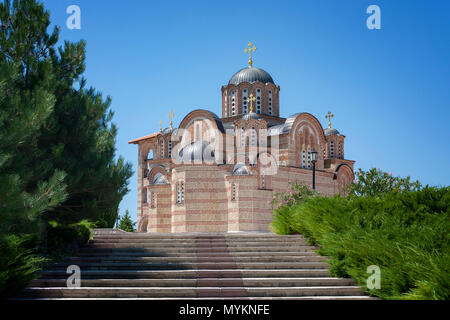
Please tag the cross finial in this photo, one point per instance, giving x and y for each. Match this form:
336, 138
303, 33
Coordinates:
160, 125
171, 115
251, 99
251, 48
329, 116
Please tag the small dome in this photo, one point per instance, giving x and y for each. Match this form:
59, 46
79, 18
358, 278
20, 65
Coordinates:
330, 131
240, 170
250, 75
251, 115
159, 179
196, 151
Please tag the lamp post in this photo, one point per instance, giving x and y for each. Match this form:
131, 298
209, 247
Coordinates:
313, 154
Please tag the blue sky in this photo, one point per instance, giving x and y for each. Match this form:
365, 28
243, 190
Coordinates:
389, 89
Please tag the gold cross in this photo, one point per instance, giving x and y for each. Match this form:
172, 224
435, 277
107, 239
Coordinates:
329, 116
171, 115
251, 99
249, 50
160, 125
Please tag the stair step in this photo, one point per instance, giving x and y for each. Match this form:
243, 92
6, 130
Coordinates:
190, 265
201, 249
203, 282
190, 274
194, 259
140, 254
157, 292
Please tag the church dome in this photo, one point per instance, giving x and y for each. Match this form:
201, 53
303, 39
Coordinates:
251, 75
330, 131
196, 151
159, 179
251, 115
240, 170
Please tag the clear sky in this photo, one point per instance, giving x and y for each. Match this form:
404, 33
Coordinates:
389, 89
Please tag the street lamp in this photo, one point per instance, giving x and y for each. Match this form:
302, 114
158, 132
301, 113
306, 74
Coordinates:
313, 154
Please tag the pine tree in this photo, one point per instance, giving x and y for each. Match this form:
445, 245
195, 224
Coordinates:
126, 224
24, 111
78, 136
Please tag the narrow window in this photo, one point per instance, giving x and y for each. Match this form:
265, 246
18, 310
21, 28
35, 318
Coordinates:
162, 149
178, 193
153, 201
169, 149
303, 159
332, 149
270, 103
258, 101
233, 192
253, 137
242, 137
182, 191
226, 113
233, 103
245, 101
263, 182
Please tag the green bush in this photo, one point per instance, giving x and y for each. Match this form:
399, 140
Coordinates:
404, 233
18, 264
63, 240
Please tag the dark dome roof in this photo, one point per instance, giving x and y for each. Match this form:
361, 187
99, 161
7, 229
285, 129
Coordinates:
159, 179
330, 131
240, 170
251, 115
196, 151
251, 75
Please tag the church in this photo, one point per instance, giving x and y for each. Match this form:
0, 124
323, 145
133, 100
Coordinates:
220, 174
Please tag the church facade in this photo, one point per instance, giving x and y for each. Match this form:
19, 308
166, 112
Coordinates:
219, 174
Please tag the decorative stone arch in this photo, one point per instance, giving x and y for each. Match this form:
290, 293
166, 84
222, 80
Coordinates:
157, 169
344, 176
214, 127
307, 131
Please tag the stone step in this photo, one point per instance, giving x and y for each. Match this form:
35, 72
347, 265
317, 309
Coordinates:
182, 236
201, 249
203, 282
335, 298
189, 265
189, 274
194, 259
124, 253
296, 242
158, 292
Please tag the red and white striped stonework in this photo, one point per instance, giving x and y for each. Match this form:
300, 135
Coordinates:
206, 196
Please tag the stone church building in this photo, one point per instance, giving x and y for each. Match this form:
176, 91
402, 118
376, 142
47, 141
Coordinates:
219, 174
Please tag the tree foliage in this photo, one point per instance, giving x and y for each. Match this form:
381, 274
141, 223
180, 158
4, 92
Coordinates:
125, 223
57, 141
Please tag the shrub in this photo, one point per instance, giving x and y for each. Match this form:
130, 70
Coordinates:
404, 233
18, 264
375, 183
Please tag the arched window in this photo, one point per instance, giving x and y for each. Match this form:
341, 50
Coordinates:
303, 165
169, 149
309, 157
253, 137
233, 192
233, 103
245, 101
258, 100
270, 103
226, 106
180, 192
162, 149
332, 149
153, 200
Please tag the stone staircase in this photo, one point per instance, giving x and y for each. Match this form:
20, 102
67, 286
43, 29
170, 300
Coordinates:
119, 265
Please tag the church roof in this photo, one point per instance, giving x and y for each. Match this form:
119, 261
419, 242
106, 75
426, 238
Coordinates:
196, 151
251, 115
330, 131
251, 75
